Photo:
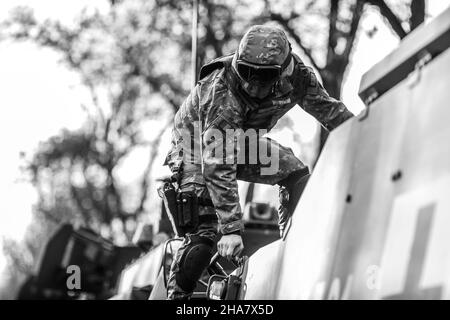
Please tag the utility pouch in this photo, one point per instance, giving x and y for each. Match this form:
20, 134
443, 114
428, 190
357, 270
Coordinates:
169, 195
188, 208
182, 208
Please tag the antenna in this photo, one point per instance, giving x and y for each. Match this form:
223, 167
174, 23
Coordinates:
194, 42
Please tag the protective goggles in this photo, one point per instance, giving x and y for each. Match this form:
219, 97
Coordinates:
254, 72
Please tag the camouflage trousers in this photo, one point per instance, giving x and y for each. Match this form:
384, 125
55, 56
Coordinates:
192, 180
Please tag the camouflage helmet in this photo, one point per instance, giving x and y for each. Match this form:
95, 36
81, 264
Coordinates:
264, 45
263, 54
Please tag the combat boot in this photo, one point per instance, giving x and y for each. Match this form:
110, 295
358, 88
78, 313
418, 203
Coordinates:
291, 189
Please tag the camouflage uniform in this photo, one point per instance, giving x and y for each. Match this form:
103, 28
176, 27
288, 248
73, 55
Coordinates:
218, 102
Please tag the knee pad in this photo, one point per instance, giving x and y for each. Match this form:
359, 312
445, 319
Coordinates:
194, 260
293, 178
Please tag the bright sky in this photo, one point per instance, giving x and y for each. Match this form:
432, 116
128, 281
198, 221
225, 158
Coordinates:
39, 97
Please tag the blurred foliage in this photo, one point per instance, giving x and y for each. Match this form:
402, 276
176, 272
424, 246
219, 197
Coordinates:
134, 61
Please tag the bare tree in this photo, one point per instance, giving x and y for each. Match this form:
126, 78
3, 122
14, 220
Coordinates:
117, 57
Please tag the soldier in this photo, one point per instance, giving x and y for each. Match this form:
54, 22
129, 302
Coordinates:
250, 89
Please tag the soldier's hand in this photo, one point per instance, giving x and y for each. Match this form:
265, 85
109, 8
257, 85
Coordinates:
230, 245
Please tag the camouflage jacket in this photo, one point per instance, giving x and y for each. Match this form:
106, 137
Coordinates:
216, 102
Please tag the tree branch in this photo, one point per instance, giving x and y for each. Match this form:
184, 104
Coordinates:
357, 13
95, 101
332, 31
79, 202
49, 216
145, 183
417, 13
157, 83
393, 20
285, 23
210, 35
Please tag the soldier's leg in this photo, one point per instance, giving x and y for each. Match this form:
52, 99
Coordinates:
291, 189
190, 261
196, 251
291, 176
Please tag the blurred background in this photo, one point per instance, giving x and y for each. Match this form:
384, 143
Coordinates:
88, 91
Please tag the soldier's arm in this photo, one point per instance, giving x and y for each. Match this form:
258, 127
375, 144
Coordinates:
220, 174
317, 102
